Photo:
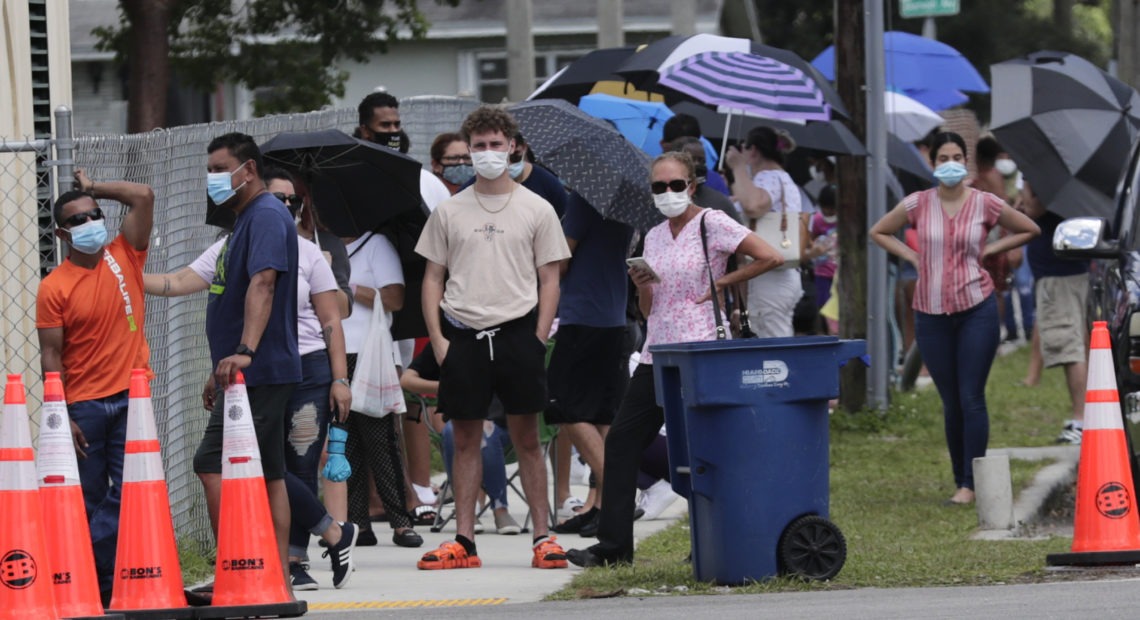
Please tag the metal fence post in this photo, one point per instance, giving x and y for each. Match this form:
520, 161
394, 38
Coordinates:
64, 150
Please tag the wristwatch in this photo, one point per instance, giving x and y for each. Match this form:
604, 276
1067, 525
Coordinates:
244, 350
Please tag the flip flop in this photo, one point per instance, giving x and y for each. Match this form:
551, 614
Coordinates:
425, 514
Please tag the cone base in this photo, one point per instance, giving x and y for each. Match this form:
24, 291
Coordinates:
99, 617
177, 613
1094, 558
291, 609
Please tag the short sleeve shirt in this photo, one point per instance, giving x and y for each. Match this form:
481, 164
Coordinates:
680, 263
594, 289
950, 274
264, 237
375, 264
492, 247
102, 314
781, 188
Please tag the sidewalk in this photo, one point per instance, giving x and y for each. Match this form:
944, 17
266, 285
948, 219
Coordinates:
386, 575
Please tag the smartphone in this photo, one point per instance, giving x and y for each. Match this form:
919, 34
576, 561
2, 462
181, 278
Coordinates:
640, 263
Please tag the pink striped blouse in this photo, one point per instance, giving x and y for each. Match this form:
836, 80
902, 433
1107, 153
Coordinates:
950, 274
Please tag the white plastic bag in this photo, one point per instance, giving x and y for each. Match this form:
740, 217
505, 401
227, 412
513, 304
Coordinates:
376, 390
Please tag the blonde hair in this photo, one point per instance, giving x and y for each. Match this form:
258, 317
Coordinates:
680, 157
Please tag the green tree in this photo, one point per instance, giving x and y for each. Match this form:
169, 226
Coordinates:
290, 48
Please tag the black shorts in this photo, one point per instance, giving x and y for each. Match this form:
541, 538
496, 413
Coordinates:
471, 374
268, 403
588, 374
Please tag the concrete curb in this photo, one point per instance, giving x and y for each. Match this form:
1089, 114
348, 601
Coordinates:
1031, 502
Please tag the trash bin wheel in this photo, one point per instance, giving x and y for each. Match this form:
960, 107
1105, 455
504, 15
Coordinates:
811, 547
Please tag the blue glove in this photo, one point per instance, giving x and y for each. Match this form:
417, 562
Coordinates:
337, 468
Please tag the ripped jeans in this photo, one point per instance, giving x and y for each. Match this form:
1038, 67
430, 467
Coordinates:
306, 425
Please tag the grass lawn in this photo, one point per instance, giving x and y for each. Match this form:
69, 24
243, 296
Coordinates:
889, 476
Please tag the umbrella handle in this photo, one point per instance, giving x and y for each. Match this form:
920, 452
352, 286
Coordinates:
724, 140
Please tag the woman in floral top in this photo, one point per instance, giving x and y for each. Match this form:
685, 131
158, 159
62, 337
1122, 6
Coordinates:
675, 298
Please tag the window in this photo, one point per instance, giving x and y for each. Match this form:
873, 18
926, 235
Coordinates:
491, 70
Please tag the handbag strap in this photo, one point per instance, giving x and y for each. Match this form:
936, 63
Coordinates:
720, 332
362, 243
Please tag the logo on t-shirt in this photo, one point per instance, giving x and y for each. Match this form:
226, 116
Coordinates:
489, 231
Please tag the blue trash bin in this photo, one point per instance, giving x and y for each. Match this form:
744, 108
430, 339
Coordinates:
747, 432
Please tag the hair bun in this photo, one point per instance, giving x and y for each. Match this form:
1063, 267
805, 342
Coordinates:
784, 142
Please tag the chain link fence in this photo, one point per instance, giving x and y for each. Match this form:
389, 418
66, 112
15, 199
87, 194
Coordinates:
173, 163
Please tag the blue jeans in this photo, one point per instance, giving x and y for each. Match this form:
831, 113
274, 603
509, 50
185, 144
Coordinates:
1023, 287
306, 426
959, 350
494, 462
104, 425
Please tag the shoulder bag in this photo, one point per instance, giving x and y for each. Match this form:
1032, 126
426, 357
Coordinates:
774, 228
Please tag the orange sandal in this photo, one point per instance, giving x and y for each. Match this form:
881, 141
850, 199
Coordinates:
549, 554
450, 554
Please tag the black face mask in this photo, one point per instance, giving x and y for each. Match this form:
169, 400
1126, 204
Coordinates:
389, 139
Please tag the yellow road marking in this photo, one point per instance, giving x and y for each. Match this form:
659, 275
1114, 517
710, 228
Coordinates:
454, 602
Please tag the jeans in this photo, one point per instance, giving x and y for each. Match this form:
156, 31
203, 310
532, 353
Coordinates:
306, 426
494, 461
1023, 285
104, 425
959, 349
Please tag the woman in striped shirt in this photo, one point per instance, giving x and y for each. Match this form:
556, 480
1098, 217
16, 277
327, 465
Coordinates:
956, 320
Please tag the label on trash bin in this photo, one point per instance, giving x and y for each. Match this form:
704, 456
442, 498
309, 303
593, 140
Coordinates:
774, 373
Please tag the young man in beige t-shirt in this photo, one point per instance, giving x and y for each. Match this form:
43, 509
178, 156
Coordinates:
493, 253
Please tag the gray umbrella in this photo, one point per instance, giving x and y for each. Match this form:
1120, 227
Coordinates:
592, 158
1069, 127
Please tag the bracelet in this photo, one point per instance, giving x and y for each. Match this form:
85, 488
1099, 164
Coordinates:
343, 381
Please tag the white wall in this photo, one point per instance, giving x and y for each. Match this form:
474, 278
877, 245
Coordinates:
407, 70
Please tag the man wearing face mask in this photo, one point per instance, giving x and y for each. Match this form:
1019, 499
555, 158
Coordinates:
490, 292
251, 321
89, 315
379, 116
537, 179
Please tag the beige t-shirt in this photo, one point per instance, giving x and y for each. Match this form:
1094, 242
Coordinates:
492, 252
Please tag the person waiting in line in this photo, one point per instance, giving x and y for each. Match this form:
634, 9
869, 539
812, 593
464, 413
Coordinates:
422, 377
450, 161
317, 399
687, 125
706, 196
956, 320
676, 299
761, 186
824, 245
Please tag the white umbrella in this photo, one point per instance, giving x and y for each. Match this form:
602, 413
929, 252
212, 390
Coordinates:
909, 119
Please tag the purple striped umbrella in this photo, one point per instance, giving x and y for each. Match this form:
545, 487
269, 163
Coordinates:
750, 83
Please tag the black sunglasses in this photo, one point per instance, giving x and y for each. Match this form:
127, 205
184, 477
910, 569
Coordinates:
292, 200
82, 218
676, 185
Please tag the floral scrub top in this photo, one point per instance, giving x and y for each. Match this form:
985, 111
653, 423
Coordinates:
680, 263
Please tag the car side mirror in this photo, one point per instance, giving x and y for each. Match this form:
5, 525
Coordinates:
1083, 238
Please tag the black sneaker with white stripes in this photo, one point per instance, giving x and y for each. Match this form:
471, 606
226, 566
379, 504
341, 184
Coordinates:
340, 554
300, 578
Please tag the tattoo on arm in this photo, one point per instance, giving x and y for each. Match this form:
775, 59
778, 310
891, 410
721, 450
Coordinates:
326, 333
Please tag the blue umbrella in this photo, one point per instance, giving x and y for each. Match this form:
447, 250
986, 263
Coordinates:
641, 122
921, 68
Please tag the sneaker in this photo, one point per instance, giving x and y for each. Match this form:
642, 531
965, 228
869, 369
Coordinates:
450, 554
478, 525
656, 499
569, 508
299, 576
340, 554
505, 524
1071, 434
548, 554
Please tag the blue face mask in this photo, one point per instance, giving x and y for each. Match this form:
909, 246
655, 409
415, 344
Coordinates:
89, 237
220, 187
950, 173
458, 174
516, 169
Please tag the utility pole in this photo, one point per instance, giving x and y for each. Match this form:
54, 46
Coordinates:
684, 14
1125, 25
878, 304
850, 72
610, 32
520, 49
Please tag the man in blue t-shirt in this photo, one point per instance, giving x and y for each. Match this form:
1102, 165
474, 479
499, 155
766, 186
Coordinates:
589, 368
1061, 296
251, 322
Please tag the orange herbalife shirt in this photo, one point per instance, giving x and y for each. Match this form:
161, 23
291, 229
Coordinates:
101, 312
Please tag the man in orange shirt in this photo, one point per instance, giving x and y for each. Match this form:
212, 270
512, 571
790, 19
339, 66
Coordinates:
90, 316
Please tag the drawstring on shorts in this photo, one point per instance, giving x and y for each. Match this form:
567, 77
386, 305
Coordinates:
490, 335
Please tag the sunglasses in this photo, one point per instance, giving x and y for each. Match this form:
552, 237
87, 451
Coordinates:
293, 200
676, 185
82, 218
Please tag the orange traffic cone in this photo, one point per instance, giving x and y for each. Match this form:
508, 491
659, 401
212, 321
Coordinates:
72, 562
248, 577
148, 577
25, 569
1106, 529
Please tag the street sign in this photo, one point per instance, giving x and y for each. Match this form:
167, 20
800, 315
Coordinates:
929, 8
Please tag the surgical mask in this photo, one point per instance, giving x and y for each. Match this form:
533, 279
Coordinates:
1005, 166
490, 164
950, 173
672, 204
458, 174
389, 139
816, 174
89, 237
516, 169
220, 187
830, 219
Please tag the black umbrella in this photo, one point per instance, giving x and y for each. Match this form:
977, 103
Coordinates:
592, 158
644, 67
356, 186
905, 158
830, 137
1068, 125
578, 78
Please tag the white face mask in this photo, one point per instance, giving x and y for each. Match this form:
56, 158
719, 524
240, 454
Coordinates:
816, 174
490, 164
1005, 166
672, 204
